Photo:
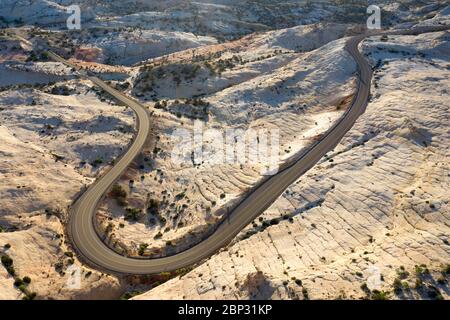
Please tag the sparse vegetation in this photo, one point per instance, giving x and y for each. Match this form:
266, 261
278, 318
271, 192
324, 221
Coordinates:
119, 194
379, 295
305, 293
142, 248
7, 262
130, 294
133, 214
421, 270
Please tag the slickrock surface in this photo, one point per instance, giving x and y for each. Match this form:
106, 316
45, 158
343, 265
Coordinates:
360, 221
373, 215
172, 205
51, 145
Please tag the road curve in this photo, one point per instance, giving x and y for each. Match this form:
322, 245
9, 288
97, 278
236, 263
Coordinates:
94, 252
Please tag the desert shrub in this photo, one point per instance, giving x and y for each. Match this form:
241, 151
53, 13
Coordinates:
18, 282
379, 295
30, 296
153, 207
402, 273
441, 280
418, 284
142, 248
158, 236
421, 270
109, 228
180, 196
117, 191
397, 285
165, 275
7, 262
133, 214
26, 280
305, 293
129, 295
58, 266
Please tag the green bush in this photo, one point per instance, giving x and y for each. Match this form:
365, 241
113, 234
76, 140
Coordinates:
379, 295
117, 191
133, 214
305, 293
30, 296
421, 270
129, 294
397, 285
158, 236
18, 282
7, 261
142, 248
26, 280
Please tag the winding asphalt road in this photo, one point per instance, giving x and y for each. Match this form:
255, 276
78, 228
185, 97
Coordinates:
81, 228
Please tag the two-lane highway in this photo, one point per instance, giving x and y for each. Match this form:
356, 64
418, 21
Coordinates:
81, 228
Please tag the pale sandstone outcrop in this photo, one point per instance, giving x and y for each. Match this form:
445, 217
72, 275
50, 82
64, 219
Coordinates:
43, 140
377, 204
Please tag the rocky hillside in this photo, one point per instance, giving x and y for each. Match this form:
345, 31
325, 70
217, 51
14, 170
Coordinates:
172, 204
371, 220
54, 140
